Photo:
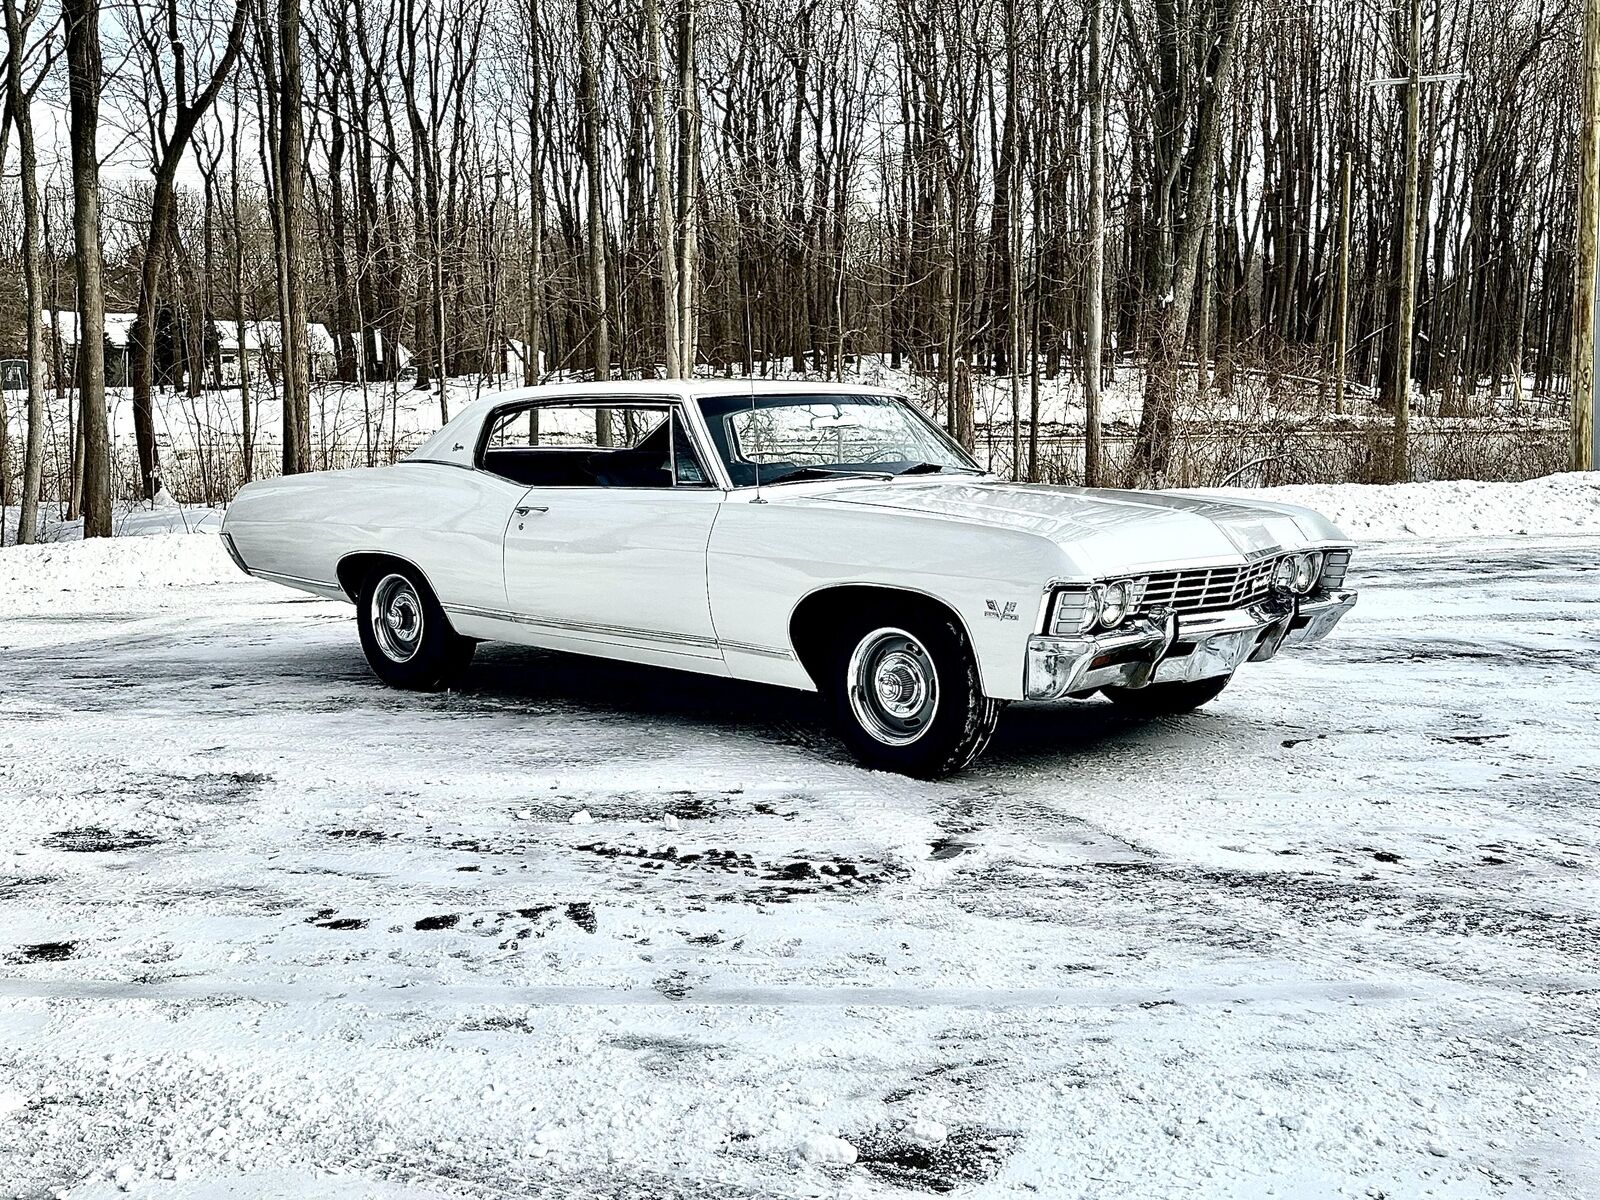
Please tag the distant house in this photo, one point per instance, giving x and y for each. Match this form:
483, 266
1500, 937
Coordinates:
63, 323
262, 351
260, 355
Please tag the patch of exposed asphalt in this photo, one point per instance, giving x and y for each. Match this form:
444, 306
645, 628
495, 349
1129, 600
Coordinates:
97, 841
10, 889
323, 918
772, 880
43, 952
963, 1155
357, 835
675, 986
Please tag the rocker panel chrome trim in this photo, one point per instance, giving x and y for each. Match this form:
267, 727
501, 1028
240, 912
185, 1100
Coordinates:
656, 637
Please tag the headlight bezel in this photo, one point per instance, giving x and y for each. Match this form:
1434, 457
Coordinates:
1122, 607
1100, 607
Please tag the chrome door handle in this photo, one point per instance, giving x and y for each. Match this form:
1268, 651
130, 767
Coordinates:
523, 510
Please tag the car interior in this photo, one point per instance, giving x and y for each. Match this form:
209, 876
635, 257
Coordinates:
647, 464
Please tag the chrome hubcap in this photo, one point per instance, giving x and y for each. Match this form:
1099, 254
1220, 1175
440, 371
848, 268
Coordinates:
397, 618
894, 690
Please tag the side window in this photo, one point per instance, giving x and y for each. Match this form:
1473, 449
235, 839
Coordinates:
591, 445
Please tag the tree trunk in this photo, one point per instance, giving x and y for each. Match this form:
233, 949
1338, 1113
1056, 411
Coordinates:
589, 113
1153, 445
666, 217
688, 199
84, 78
296, 382
1400, 470
21, 104
1095, 286
1588, 234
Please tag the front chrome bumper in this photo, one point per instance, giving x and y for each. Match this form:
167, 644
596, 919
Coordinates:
1173, 648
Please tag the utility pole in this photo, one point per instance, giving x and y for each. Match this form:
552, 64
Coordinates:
1585, 348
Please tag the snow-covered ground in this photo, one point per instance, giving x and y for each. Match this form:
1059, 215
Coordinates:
591, 930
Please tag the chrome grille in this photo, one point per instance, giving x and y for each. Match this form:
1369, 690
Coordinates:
1205, 589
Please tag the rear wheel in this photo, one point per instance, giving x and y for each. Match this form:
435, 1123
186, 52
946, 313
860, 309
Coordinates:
404, 633
907, 695
1166, 699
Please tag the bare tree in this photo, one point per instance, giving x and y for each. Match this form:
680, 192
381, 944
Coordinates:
19, 19
1185, 174
85, 75
1095, 287
589, 117
174, 114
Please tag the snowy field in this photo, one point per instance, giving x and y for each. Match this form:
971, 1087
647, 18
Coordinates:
588, 930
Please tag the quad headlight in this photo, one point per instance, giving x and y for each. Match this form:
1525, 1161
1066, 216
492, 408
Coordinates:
1283, 574
1116, 599
1297, 573
1307, 567
1104, 606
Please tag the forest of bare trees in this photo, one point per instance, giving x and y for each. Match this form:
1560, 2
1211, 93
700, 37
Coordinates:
1185, 198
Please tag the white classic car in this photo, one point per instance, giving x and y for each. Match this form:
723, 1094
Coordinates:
812, 536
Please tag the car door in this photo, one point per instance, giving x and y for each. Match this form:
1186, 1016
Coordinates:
606, 550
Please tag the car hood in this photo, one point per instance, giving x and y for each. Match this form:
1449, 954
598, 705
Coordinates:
1101, 530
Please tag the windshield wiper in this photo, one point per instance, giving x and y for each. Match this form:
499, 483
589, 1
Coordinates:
930, 468
799, 474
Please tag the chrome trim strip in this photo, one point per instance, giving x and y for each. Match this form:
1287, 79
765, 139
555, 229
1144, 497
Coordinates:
583, 627
752, 648
618, 631
297, 581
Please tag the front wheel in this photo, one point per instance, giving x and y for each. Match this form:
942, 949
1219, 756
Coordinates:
907, 695
1166, 699
404, 633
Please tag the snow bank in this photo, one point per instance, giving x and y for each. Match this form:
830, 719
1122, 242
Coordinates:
1568, 503
84, 568
127, 520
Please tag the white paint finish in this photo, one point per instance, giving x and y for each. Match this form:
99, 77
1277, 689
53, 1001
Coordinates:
602, 559
447, 521
709, 579
1102, 531
765, 558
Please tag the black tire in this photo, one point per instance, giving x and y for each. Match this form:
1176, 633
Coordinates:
411, 645
912, 648
1166, 699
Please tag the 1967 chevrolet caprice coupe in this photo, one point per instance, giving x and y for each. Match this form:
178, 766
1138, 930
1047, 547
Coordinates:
813, 536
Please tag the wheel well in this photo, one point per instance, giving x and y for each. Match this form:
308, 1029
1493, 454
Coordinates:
818, 618
354, 568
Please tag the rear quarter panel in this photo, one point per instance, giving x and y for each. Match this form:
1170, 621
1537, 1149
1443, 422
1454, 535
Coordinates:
448, 521
765, 558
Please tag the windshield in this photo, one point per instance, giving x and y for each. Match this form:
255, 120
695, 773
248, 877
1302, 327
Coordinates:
809, 435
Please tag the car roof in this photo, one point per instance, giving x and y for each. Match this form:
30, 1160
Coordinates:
682, 387
452, 443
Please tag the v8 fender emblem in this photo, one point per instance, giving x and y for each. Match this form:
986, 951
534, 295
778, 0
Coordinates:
992, 609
